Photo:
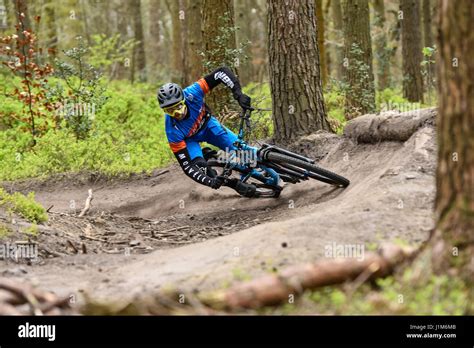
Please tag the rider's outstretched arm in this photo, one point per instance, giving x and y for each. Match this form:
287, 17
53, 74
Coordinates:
224, 75
191, 168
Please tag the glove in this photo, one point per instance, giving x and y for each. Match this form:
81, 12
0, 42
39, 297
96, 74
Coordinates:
217, 182
243, 100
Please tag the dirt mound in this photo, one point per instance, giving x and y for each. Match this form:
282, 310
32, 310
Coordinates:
231, 238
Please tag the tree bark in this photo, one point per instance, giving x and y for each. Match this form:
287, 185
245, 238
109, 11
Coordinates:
121, 70
427, 33
21, 6
86, 22
50, 24
218, 38
176, 42
243, 20
360, 96
411, 50
194, 48
259, 40
295, 78
336, 12
454, 205
183, 17
382, 54
139, 58
154, 42
4, 23
320, 35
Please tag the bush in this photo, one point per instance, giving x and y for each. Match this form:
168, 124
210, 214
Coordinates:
334, 100
25, 206
127, 136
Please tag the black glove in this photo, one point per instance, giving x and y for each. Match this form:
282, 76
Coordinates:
243, 100
218, 181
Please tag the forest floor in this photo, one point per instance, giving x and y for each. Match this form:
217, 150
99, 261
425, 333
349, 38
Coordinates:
150, 232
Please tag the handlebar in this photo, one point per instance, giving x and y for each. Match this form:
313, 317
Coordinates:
254, 109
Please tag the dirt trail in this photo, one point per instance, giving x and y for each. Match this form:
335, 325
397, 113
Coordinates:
148, 232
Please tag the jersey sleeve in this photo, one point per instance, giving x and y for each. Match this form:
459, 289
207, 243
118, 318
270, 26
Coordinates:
179, 148
225, 76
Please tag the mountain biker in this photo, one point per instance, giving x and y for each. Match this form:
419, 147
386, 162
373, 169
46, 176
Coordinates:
189, 122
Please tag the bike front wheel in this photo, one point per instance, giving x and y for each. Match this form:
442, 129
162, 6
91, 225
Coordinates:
313, 170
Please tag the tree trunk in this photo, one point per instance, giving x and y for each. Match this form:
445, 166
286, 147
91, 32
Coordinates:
194, 47
320, 35
121, 70
259, 38
154, 42
455, 172
338, 37
243, 20
86, 22
177, 45
411, 51
139, 59
3, 16
218, 39
382, 54
21, 6
50, 24
184, 16
295, 80
360, 96
427, 33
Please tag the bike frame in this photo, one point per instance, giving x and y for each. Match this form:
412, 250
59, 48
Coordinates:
252, 169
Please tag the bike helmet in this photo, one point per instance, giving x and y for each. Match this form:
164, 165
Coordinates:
169, 94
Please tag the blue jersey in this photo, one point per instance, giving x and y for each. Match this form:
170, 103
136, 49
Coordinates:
178, 131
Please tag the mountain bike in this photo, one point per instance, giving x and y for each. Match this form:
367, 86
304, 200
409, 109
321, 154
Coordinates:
266, 166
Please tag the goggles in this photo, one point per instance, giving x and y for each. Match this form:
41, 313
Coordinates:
170, 110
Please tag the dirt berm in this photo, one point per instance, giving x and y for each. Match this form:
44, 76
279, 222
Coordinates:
151, 231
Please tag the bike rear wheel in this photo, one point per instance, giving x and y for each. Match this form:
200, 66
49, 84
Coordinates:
314, 171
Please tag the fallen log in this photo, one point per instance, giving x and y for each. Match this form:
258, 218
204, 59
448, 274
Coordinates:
276, 288
15, 294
